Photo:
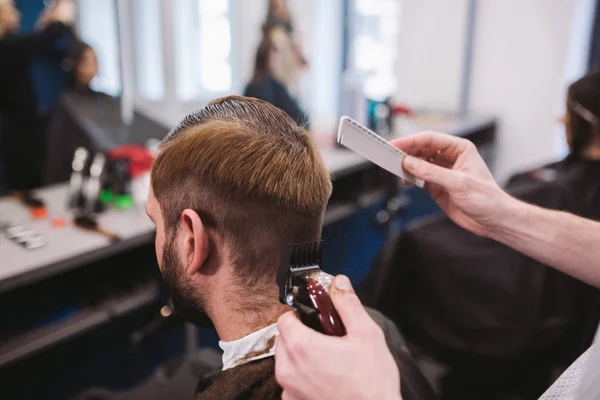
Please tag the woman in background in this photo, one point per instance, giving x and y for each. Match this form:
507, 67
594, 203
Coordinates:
21, 133
83, 66
582, 119
265, 86
279, 29
581, 167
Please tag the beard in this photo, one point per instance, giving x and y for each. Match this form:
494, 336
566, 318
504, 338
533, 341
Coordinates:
187, 301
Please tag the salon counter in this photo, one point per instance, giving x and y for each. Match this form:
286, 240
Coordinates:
67, 247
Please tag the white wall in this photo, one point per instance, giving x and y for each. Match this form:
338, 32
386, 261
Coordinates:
520, 57
431, 53
320, 31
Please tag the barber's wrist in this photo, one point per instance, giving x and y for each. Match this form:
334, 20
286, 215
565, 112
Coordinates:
508, 218
389, 396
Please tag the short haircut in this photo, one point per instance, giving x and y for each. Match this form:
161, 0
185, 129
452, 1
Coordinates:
252, 174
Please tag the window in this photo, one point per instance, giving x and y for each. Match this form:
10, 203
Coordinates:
203, 48
215, 45
98, 28
149, 71
373, 42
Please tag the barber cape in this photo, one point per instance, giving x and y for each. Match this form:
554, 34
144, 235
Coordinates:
249, 367
581, 381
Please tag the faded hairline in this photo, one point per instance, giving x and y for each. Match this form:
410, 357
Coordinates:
230, 157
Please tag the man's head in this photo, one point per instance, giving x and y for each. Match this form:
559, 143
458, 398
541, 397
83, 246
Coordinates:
84, 65
582, 120
232, 185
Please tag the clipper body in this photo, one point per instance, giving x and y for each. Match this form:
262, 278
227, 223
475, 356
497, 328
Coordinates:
305, 287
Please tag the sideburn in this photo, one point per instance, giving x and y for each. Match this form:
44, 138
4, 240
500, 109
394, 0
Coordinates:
187, 300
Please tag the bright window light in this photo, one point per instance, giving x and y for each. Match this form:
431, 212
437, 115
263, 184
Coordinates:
148, 49
215, 45
373, 44
98, 28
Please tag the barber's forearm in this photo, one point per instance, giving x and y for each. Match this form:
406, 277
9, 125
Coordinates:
563, 241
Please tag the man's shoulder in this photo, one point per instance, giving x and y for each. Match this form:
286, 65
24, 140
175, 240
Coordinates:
254, 380
414, 385
393, 337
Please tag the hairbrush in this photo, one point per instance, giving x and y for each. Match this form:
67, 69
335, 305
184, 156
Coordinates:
89, 223
305, 287
36, 206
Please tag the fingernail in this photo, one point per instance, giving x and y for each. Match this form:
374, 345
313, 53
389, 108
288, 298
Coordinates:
343, 283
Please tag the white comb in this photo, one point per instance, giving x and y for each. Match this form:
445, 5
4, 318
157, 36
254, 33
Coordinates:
374, 148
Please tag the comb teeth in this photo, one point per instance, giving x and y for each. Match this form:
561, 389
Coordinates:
305, 254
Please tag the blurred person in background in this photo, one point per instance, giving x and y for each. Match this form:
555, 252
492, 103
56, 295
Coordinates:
279, 29
582, 119
21, 133
265, 86
66, 130
82, 63
581, 167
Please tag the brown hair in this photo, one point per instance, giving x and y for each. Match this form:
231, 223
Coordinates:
252, 174
583, 105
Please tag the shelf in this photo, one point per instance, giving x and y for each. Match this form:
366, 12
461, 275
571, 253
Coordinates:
33, 341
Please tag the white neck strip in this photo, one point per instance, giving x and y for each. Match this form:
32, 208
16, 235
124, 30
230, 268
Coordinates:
257, 345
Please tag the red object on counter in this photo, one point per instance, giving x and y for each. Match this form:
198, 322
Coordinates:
398, 109
140, 159
39, 212
59, 222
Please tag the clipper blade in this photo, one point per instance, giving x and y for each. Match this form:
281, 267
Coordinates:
306, 254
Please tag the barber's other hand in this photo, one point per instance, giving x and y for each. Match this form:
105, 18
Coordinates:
65, 12
61, 11
310, 365
457, 179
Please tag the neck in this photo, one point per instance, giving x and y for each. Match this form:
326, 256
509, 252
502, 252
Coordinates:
592, 152
261, 77
80, 87
234, 320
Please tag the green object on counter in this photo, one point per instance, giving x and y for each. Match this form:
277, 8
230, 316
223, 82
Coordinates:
124, 202
107, 197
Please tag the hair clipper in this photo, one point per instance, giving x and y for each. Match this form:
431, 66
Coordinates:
305, 287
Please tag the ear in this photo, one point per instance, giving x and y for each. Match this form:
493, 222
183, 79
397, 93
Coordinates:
195, 241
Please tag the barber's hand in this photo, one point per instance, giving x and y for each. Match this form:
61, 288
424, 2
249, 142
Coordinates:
310, 365
457, 179
66, 12
60, 11
44, 18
